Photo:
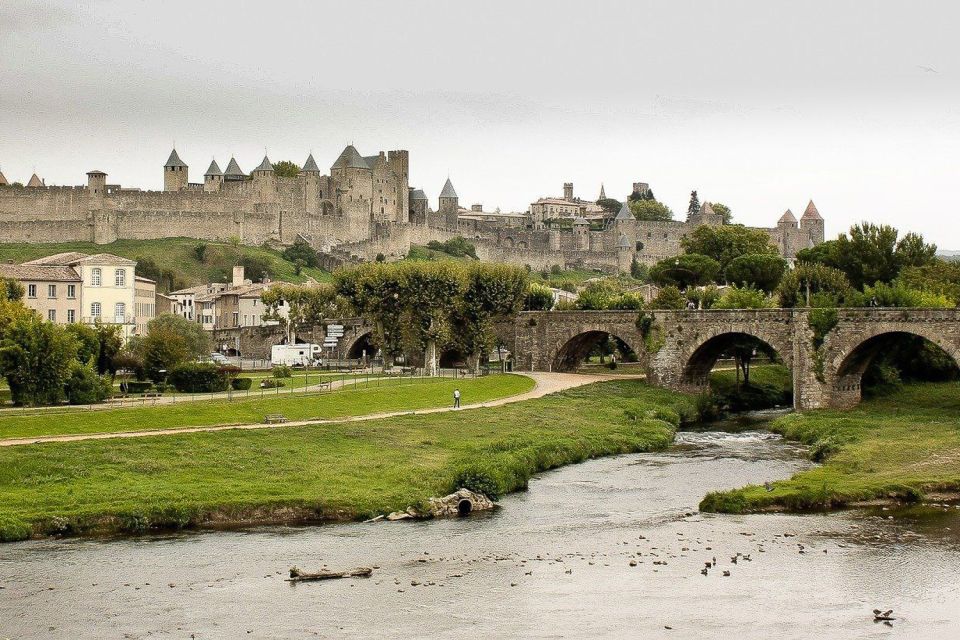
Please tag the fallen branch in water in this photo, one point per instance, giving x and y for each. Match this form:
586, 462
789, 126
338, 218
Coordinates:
296, 575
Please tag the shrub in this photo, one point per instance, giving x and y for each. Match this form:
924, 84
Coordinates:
742, 298
84, 386
897, 295
669, 298
135, 386
241, 384
272, 383
198, 377
13, 529
282, 371
477, 480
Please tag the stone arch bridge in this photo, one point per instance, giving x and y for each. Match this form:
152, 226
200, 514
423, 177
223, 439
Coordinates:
679, 348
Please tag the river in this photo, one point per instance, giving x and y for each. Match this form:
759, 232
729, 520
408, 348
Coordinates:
552, 562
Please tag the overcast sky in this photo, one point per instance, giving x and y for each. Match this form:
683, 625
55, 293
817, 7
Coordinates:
760, 105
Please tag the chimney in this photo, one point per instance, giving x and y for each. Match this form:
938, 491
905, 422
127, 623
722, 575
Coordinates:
238, 275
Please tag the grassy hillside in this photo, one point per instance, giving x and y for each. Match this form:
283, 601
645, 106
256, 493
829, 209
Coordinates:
176, 259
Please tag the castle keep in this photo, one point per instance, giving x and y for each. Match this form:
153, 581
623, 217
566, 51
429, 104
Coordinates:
363, 207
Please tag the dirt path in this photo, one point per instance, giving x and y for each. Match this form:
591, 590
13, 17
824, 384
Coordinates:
546, 383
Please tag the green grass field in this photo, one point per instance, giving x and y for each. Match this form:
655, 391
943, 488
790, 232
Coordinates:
375, 397
175, 254
899, 446
332, 471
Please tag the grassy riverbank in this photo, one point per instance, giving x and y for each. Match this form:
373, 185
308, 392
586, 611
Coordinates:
322, 472
374, 397
901, 446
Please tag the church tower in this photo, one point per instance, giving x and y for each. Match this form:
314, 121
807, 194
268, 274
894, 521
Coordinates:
175, 173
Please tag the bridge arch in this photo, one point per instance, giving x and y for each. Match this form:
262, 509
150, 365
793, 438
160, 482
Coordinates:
700, 357
363, 340
852, 357
573, 347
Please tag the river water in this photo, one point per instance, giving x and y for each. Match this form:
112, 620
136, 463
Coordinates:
552, 562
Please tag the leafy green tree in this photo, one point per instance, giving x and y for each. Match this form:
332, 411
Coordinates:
491, 291
828, 287
650, 210
727, 242
429, 288
896, 295
639, 270
723, 210
939, 276
539, 298
286, 169
85, 386
307, 306
693, 208
761, 270
669, 297
610, 205
871, 253
88, 342
373, 290
607, 294
685, 270
743, 298
11, 290
35, 358
301, 250
162, 350
704, 297
200, 252
196, 341
110, 342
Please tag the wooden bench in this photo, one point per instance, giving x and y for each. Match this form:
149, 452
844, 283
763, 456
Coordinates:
274, 418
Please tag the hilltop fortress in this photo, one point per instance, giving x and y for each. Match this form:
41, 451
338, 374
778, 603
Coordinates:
365, 206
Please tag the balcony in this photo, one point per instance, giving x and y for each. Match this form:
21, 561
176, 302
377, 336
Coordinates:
109, 319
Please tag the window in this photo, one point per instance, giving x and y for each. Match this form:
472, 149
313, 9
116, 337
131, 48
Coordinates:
31, 291
119, 311
71, 315
71, 291
236, 319
120, 277
95, 277
94, 310
51, 291
52, 315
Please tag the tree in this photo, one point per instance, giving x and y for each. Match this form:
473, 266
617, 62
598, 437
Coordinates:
200, 251
871, 253
163, 349
650, 210
195, 339
638, 270
88, 342
539, 298
939, 276
301, 250
35, 357
84, 386
685, 270
601, 295
827, 287
610, 205
491, 291
286, 169
743, 298
669, 297
694, 207
307, 306
457, 247
110, 343
727, 242
761, 270
11, 290
723, 210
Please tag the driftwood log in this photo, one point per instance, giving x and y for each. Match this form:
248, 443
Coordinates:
296, 575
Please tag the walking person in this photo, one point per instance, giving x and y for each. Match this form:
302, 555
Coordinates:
456, 398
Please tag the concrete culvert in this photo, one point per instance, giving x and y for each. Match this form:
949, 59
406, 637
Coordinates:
464, 507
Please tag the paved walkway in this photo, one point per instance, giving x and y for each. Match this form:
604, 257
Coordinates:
546, 383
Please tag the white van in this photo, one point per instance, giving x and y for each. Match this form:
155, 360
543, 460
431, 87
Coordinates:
294, 355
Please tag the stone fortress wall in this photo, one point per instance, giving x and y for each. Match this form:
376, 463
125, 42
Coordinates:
363, 207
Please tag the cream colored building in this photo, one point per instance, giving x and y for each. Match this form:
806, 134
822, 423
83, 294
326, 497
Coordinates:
144, 303
53, 292
106, 287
